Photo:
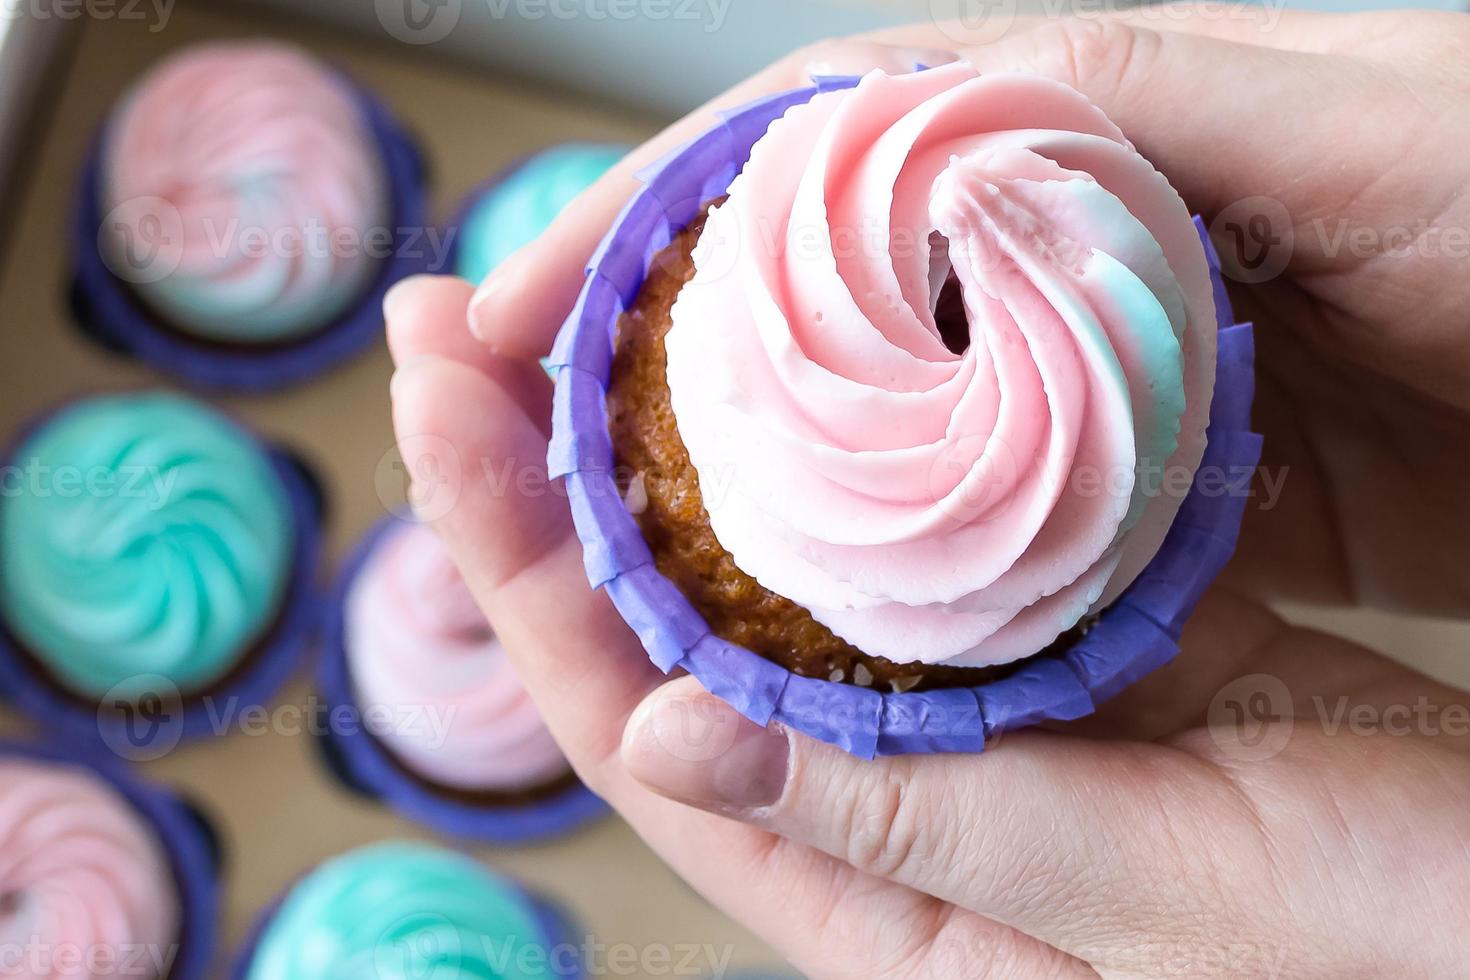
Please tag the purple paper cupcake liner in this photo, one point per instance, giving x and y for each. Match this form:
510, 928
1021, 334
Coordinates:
186, 838
1134, 636
557, 929
152, 732
108, 309
366, 765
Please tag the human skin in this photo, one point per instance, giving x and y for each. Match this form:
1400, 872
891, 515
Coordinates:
1151, 839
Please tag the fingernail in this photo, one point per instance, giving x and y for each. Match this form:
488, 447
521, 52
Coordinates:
484, 295
491, 289
393, 299
700, 751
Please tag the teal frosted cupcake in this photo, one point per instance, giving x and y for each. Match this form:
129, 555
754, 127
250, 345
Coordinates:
153, 555
401, 910
517, 204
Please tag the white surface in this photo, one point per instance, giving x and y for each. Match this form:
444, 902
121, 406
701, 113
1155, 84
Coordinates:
668, 55
1438, 647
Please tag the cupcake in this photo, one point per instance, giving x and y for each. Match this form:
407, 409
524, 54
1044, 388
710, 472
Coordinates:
440, 727
883, 407
243, 214
157, 563
400, 910
518, 204
100, 874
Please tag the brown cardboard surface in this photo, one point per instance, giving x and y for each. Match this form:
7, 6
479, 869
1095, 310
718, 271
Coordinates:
278, 810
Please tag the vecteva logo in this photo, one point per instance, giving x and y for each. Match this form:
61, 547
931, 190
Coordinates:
419, 21
141, 719
1251, 719
142, 240
1255, 239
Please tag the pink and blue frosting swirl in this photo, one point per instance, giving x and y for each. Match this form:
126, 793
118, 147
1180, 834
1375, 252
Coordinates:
936, 486
85, 886
245, 197
431, 673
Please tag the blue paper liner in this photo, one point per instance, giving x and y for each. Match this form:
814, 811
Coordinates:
265, 671
109, 310
558, 928
369, 767
1134, 636
186, 842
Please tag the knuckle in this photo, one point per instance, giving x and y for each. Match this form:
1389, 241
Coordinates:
966, 944
1097, 57
884, 829
926, 945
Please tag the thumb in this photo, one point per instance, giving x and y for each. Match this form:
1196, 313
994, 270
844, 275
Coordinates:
1063, 839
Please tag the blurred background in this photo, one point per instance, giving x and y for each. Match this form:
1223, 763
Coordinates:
480, 83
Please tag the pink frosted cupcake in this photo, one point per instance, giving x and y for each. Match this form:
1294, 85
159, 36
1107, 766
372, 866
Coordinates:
245, 211
443, 729
892, 408
100, 876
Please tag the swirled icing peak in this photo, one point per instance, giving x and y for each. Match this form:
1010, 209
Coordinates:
521, 205
428, 668
245, 197
402, 911
82, 879
944, 342
143, 534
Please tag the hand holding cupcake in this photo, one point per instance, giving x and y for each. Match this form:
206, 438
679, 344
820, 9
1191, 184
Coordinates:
1191, 805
